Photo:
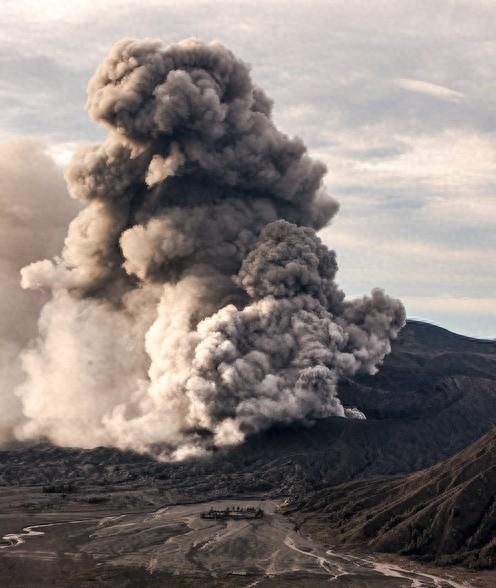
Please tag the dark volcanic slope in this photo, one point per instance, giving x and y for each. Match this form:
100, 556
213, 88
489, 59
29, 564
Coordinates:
446, 513
423, 357
435, 394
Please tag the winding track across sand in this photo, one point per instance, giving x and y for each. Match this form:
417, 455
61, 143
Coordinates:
16, 539
175, 538
417, 579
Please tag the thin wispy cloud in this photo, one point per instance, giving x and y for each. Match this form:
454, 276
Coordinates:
429, 89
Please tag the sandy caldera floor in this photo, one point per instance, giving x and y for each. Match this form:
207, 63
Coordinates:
173, 547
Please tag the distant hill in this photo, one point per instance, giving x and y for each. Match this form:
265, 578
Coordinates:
446, 513
434, 395
424, 356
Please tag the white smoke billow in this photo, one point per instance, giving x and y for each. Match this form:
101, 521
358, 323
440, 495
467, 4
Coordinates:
193, 303
34, 213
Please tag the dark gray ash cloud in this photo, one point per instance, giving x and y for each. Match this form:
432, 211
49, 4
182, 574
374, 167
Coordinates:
193, 303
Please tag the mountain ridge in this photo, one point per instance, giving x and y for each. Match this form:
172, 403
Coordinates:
445, 514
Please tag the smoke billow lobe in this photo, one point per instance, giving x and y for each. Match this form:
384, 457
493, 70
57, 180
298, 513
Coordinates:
193, 303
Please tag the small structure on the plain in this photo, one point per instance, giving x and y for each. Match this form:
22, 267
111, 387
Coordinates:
236, 512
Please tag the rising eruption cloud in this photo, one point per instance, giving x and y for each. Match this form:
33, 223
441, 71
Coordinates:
193, 303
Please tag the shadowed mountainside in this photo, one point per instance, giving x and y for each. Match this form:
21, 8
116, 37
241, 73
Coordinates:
446, 513
435, 394
419, 376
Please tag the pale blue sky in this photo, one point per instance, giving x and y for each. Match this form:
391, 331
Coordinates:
397, 97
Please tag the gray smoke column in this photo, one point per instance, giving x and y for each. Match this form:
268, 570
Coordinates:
193, 303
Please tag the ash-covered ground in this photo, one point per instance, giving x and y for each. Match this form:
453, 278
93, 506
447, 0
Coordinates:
172, 546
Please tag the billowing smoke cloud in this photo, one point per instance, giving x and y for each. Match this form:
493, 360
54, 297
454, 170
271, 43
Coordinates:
34, 212
193, 303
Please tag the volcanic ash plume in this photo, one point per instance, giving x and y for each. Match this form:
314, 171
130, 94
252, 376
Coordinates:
193, 303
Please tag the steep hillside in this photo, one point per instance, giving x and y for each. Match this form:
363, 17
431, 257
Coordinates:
446, 513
